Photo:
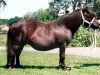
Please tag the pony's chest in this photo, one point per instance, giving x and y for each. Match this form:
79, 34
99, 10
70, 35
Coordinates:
63, 35
43, 36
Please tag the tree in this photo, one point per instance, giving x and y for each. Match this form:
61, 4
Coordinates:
96, 7
80, 3
3, 21
57, 4
13, 20
40, 15
2, 3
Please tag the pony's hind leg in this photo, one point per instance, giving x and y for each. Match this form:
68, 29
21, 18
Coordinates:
10, 59
11, 55
17, 65
14, 46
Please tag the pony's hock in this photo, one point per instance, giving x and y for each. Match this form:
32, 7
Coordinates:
46, 36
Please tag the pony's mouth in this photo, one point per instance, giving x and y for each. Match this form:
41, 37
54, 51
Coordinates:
93, 25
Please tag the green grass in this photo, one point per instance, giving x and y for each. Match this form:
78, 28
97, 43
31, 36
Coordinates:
3, 38
3, 42
41, 63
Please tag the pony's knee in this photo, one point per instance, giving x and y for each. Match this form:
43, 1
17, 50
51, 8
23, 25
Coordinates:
15, 47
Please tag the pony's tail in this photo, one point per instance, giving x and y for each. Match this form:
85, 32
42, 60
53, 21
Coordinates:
9, 46
9, 39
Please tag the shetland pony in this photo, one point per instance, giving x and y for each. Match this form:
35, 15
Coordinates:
47, 36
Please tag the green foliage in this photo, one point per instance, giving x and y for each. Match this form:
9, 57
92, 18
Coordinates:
3, 21
82, 38
14, 20
96, 7
10, 21
40, 15
67, 3
98, 38
56, 5
43, 15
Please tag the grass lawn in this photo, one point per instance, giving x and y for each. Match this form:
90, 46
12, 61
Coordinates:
3, 42
3, 39
41, 63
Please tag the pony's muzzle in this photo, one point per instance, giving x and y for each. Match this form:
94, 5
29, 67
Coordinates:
99, 23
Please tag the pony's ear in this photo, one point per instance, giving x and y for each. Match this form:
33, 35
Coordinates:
85, 10
85, 7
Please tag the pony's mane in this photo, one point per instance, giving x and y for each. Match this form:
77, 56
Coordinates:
67, 18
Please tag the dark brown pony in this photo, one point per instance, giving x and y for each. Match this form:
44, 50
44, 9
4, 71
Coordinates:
47, 36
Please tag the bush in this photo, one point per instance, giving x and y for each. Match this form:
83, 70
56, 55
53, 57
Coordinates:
81, 38
40, 15
14, 20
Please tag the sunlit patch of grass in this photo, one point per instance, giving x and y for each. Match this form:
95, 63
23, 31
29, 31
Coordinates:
41, 63
3, 42
3, 39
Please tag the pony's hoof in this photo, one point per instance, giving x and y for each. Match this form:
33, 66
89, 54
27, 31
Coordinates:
66, 69
9, 66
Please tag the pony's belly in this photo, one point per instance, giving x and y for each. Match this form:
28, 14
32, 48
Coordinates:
44, 44
44, 47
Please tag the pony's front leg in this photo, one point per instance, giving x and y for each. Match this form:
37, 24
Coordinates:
62, 57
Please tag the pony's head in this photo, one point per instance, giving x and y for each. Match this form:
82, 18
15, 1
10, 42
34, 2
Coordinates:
90, 18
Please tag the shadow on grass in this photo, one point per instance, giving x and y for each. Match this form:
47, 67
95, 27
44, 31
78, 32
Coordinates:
78, 66
39, 67
86, 65
35, 67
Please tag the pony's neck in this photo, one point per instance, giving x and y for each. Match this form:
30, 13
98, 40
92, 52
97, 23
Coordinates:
72, 21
